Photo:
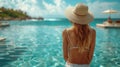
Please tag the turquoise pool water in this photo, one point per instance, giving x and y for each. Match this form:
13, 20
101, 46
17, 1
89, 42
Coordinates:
39, 44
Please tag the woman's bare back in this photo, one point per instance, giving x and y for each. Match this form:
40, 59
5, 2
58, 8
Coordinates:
74, 56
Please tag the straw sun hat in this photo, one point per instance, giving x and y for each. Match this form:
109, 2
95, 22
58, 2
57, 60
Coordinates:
79, 14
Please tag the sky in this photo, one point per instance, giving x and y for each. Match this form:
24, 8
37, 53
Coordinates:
56, 8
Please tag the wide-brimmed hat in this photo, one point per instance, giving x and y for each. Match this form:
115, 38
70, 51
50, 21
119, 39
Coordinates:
79, 14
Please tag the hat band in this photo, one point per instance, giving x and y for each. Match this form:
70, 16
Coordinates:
78, 14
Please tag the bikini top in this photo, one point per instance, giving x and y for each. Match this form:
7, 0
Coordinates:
74, 47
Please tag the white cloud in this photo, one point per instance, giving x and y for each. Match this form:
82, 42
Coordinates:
30, 7
44, 8
34, 1
55, 9
98, 7
36, 8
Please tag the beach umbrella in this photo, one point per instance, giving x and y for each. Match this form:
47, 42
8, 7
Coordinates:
110, 11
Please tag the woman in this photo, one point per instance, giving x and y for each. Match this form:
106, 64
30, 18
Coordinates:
79, 40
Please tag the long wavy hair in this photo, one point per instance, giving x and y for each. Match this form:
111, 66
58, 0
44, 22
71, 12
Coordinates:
82, 36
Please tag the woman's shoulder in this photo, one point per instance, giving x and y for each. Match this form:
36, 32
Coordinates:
64, 32
93, 30
67, 30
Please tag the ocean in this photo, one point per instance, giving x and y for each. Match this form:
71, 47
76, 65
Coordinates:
38, 43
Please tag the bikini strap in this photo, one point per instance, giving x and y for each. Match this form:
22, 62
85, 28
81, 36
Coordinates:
69, 37
68, 45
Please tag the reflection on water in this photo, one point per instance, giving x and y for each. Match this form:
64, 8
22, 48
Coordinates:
39, 44
43, 44
9, 53
107, 48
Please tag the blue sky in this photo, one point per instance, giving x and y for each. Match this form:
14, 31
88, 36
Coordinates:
55, 8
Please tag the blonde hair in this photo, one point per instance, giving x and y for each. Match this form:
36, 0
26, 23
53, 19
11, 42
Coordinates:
82, 37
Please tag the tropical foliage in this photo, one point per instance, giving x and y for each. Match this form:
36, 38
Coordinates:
6, 13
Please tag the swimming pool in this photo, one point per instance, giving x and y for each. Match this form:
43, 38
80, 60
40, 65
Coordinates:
39, 44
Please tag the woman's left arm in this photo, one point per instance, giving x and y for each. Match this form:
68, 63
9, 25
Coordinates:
65, 45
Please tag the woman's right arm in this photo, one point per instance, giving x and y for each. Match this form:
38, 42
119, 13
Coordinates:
65, 45
92, 45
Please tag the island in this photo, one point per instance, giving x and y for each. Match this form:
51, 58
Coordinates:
12, 14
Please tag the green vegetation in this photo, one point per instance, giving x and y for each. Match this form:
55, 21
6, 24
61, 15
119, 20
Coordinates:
10, 14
